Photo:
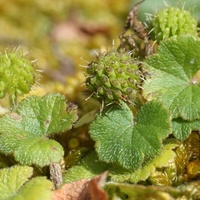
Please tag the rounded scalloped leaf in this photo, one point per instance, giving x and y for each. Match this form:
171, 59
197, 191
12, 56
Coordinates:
120, 140
37, 188
183, 128
175, 76
88, 167
12, 179
40, 116
38, 151
162, 160
31, 150
25, 132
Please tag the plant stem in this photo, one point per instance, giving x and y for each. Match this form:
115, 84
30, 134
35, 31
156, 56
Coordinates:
13, 101
56, 174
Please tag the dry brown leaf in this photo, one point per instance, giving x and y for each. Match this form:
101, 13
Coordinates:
71, 191
83, 189
95, 187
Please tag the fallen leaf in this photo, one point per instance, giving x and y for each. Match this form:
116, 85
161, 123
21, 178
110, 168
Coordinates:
72, 191
95, 187
83, 189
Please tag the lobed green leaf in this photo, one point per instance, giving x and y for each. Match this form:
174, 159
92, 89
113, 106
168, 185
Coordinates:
174, 77
12, 179
182, 128
36, 188
25, 133
121, 140
40, 116
89, 167
162, 160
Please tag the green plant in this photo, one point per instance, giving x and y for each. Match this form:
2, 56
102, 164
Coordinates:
151, 142
21, 69
25, 132
12, 184
146, 133
172, 21
27, 129
113, 76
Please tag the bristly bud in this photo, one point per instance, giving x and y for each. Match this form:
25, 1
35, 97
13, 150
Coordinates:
171, 21
113, 76
17, 75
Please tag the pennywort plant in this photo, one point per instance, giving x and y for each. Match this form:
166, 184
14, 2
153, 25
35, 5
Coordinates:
167, 82
27, 130
150, 103
146, 129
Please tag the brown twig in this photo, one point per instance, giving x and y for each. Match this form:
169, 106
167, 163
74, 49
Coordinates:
133, 23
56, 174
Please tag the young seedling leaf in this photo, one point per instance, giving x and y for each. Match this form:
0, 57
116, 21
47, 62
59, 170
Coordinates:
119, 139
12, 179
162, 160
25, 132
182, 128
89, 167
174, 77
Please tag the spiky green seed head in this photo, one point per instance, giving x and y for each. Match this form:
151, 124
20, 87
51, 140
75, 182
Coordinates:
17, 74
172, 21
113, 76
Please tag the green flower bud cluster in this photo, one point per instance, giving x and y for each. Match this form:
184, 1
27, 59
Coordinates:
113, 76
17, 75
171, 21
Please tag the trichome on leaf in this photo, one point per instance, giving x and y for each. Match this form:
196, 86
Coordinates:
25, 132
172, 72
144, 134
122, 139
